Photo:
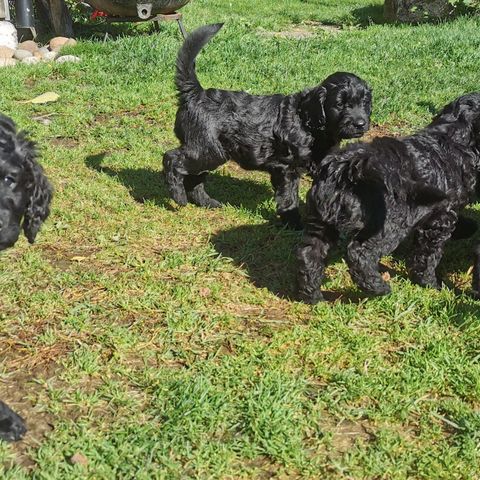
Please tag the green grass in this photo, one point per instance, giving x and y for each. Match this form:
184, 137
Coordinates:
165, 343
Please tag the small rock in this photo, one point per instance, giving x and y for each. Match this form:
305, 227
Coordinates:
79, 458
21, 54
29, 45
6, 52
43, 50
68, 58
50, 56
57, 43
37, 54
7, 62
30, 60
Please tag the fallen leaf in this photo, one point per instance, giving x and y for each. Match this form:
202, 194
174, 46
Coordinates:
386, 276
78, 259
43, 98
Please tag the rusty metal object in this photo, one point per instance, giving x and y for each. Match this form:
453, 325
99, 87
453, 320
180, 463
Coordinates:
132, 8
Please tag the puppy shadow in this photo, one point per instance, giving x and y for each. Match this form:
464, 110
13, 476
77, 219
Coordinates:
240, 193
143, 184
268, 253
146, 184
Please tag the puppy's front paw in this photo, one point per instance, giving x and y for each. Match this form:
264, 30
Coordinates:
311, 298
426, 281
292, 219
12, 426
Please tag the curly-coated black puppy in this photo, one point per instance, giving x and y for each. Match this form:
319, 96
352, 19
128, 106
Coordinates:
378, 193
12, 426
278, 134
25, 192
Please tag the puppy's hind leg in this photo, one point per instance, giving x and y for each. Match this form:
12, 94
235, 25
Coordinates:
285, 182
196, 194
312, 256
429, 242
363, 259
476, 273
174, 171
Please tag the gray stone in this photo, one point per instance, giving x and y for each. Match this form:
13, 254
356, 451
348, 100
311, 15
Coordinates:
416, 11
20, 54
68, 58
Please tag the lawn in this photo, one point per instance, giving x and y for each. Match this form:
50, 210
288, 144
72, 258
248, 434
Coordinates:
164, 343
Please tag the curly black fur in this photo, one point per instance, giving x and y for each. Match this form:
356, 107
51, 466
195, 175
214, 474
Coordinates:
25, 192
12, 426
376, 194
279, 134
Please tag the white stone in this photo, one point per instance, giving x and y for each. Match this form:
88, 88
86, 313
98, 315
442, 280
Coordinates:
50, 56
68, 58
8, 35
30, 60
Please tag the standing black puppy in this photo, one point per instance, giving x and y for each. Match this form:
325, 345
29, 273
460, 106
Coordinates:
279, 134
377, 194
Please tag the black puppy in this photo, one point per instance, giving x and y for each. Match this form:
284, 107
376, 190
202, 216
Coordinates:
25, 195
376, 194
12, 426
279, 134
25, 192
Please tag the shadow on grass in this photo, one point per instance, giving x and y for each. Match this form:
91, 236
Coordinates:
368, 15
142, 183
268, 255
145, 184
266, 251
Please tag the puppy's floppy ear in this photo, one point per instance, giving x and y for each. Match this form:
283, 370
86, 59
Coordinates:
38, 207
311, 108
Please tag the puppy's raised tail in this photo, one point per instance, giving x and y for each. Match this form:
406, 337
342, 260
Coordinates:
186, 79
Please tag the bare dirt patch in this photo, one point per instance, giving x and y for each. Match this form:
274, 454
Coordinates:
22, 391
66, 142
305, 30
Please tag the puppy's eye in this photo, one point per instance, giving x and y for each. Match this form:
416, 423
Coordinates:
339, 105
8, 180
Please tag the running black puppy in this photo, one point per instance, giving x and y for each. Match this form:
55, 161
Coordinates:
279, 134
376, 194
25, 192
12, 426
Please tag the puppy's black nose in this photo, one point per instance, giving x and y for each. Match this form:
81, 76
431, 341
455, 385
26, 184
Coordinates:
360, 123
